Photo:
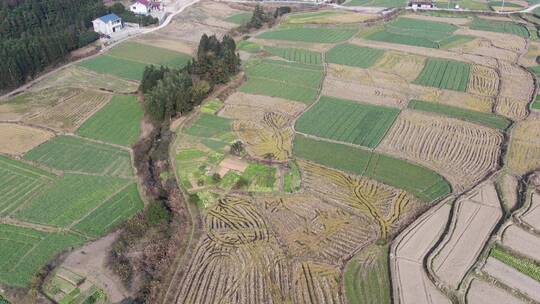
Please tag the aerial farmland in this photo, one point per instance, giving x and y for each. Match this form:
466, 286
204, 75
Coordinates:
358, 156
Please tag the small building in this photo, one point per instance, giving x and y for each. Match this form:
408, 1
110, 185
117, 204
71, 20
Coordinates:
107, 24
144, 7
421, 4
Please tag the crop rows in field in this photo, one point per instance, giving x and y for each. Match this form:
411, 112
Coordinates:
445, 74
332, 17
19, 182
25, 251
118, 122
292, 81
352, 55
72, 111
424, 183
499, 26
462, 152
297, 55
483, 81
524, 265
79, 155
310, 34
486, 119
347, 121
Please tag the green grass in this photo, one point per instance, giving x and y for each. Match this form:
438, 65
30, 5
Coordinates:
422, 182
248, 46
25, 251
190, 154
347, 121
117, 123
535, 70
486, 119
212, 107
352, 55
466, 4
367, 277
314, 35
79, 155
292, 180
70, 199
297, 55
386, 36
209, 126
445, 74
261, 178
239, 18
19, 182
279, 89
310, 17
377, 3
499, 26
536, 104
112, 212
524, 265
147, 54
506, 4
122, 68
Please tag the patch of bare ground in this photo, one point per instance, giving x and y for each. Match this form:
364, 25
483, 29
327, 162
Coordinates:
484, 47
451, 20
512, 278
259, 103
464, 153
481, 292
521, 241
503, 41
474, 217
524, 151
16, 139
318, 47
90, 261
508, 186
428, 52
164, 41
483, 81
410, 283
517, 87
533, 51
455, 98
407, 67
362, 93
532, 215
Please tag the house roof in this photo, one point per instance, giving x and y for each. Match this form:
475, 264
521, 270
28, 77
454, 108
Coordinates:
109, 18
144, 2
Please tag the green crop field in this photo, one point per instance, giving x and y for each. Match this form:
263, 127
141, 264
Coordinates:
352, 55
486, 119
294, 81
112, 212
70, 199
347, 121
499, 26
122, 68
298, 55
314, 35
377, 3
367, 277
19, 182
422, 182
147, 54
210, 126
79, 155
248, 46
212, 107
117, 123
445, 74
25, 251
239, 18
536, 104
524, 265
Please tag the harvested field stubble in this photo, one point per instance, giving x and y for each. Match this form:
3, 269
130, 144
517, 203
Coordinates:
483, 81
521, 241
481, 292
407, 66
531, 216
512, 278
517, 87
17, 139
462, 152
524, 150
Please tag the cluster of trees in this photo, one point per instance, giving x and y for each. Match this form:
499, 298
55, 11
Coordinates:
129, 16
260, 18
36, 33
168, 92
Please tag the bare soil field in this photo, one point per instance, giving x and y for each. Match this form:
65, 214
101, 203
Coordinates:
408, 66
356, 91
498, 40
481, 292
529, 59
484, 47
517, 88
532, 215
473, 219
462, 152
16, 139
411, 284
455, 98
522, 241
317, 47
513, 278
524, 150
483, 81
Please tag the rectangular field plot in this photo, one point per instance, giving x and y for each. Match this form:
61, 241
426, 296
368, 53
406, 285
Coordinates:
348, 54
118, 122
69, 199
294, 81
347, 121
499, 26
424, 183
79, 155
485, 119
25, 251
147, 54
112, 212
239, 18
298, 55
19, 182
445, 74
377, 3
210, 126
314, 35
123, 68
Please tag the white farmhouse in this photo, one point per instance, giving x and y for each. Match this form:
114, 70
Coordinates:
107, 24
141, 7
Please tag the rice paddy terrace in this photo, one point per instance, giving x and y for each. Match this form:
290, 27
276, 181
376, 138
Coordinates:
358, 162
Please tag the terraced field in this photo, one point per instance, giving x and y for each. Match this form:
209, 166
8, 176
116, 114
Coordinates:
348, 54
297, 55
309, 34
499, 26
444, 74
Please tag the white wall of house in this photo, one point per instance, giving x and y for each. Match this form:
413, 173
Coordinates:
139, 9
106, 28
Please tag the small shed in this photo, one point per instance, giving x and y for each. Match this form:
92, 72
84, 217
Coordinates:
421, 4
107, 24
141, 7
